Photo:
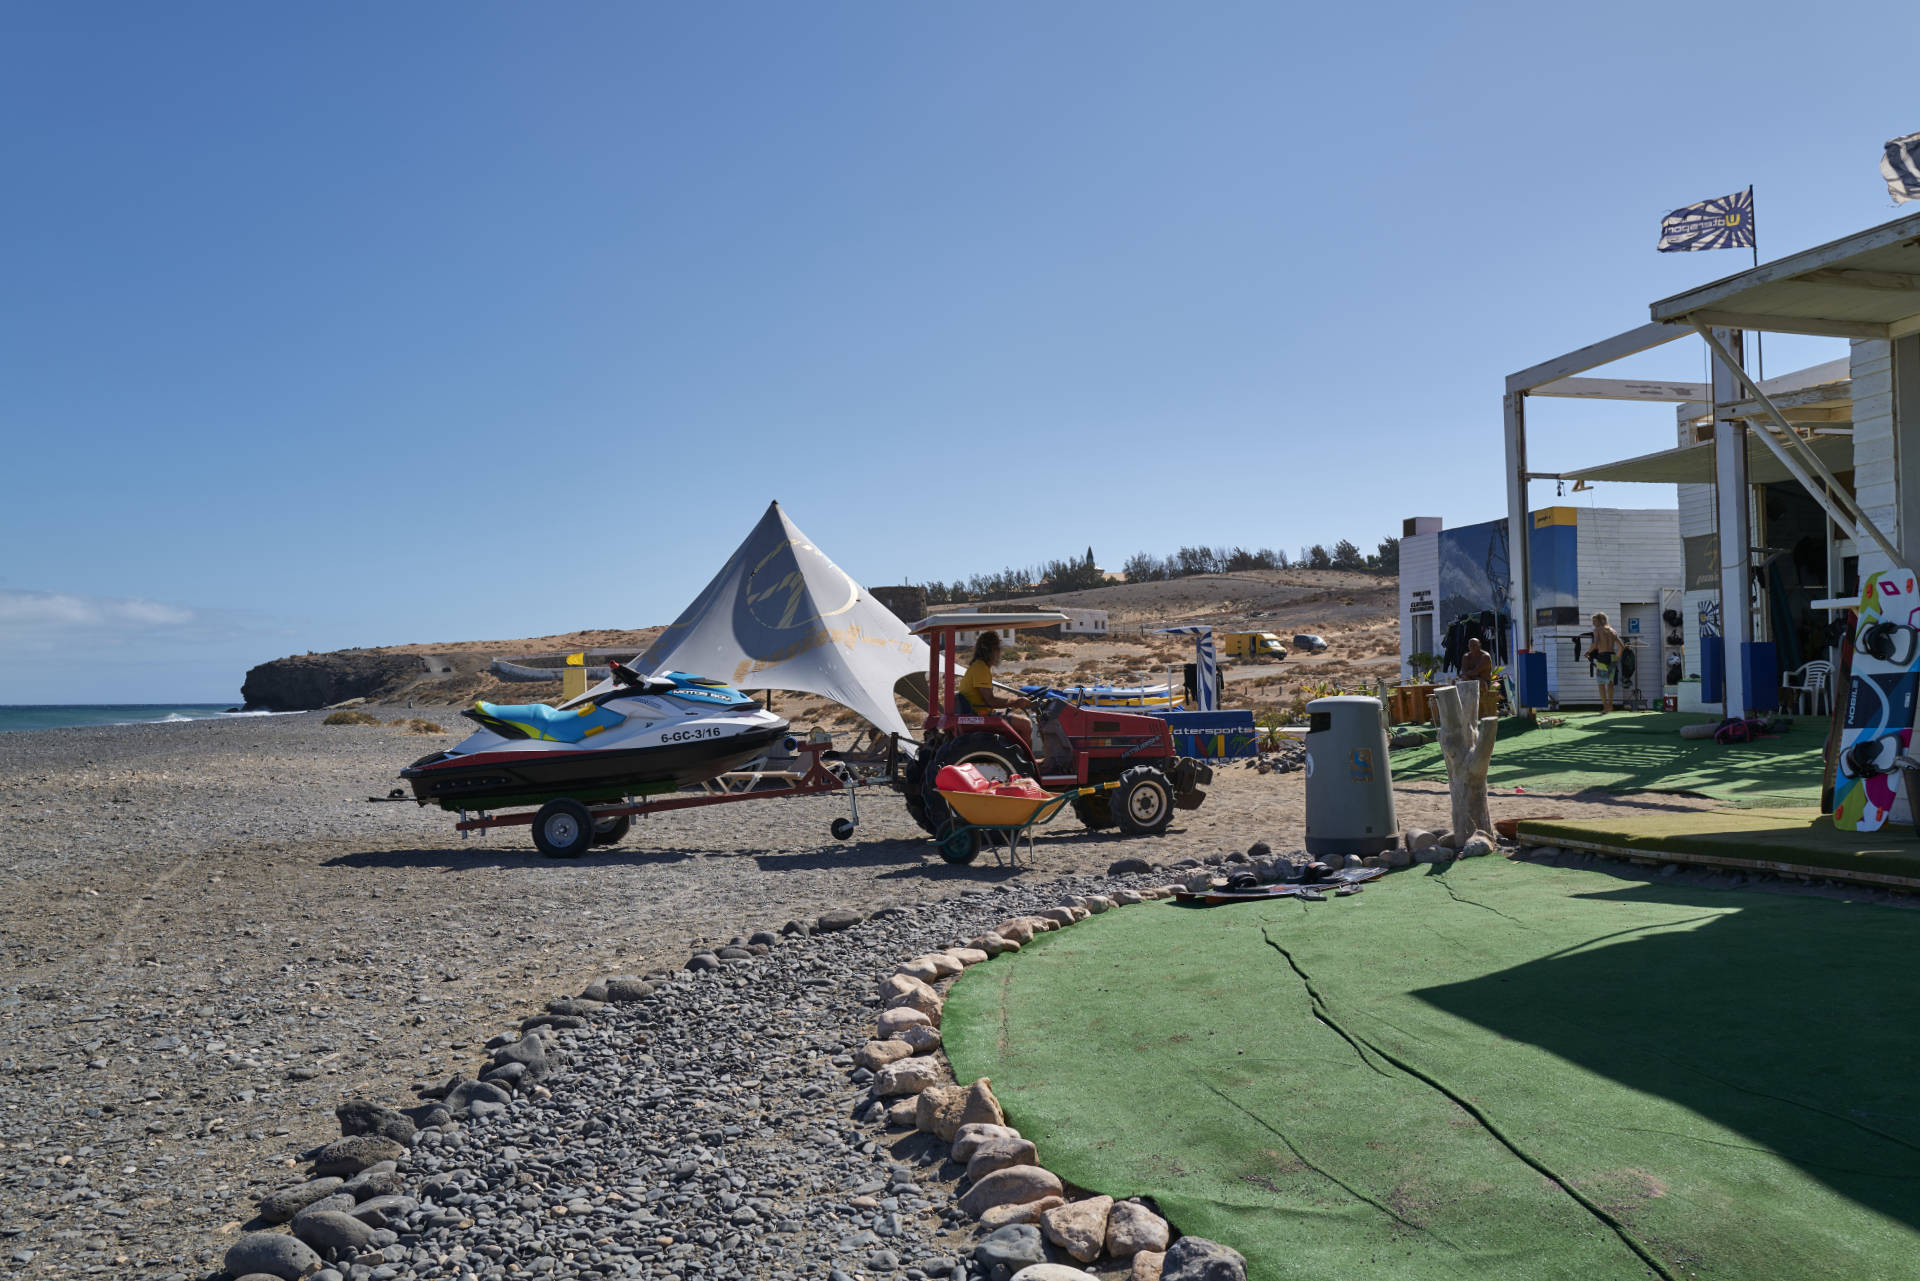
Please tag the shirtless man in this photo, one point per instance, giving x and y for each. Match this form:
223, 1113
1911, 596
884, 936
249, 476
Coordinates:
1606, 659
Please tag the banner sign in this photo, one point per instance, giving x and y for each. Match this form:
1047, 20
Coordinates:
1702, 558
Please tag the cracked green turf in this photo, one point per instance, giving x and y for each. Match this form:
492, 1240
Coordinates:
1499, 1071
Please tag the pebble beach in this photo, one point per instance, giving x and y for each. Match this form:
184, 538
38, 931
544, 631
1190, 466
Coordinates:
212, 939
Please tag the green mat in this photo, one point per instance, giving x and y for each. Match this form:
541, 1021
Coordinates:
1499, 1071
1643, 751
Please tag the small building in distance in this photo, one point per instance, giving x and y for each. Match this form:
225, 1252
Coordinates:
908, 603
1084, 622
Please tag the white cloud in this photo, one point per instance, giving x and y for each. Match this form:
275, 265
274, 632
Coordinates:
24, 611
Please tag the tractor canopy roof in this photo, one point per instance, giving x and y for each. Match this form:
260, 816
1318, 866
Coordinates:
971, 621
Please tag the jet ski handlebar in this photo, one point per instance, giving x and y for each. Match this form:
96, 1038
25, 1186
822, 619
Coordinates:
625, 677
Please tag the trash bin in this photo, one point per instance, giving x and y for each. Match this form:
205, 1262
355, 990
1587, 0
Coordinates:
1349, 783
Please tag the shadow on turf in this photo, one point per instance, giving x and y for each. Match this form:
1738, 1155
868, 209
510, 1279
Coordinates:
1789, 1021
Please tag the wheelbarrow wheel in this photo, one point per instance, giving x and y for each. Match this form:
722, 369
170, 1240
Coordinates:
960, 844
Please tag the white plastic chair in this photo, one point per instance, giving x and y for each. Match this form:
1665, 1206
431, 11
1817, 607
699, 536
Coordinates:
1811, 685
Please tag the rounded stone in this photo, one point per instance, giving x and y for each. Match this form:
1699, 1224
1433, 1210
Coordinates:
278, 1207
273, 1253
1198, 1259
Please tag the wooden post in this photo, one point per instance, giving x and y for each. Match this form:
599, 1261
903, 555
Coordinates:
1466, 740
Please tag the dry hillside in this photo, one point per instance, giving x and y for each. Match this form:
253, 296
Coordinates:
1355, 612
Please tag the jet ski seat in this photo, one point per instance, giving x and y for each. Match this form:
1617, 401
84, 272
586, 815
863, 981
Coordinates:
537, 720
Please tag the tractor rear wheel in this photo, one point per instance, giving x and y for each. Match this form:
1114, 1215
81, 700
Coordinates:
913, 782
1095, 811
996, 757
1143, 805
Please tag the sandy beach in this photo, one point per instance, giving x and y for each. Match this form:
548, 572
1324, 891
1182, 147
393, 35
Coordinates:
211, 938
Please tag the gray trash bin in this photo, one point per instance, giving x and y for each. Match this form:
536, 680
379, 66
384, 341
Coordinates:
1349, 783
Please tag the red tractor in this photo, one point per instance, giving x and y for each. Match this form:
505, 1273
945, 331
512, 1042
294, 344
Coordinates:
1077, 745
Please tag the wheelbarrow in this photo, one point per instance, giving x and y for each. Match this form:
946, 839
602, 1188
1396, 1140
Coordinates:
1001, 818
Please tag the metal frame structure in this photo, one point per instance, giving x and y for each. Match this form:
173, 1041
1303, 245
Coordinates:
1863, 286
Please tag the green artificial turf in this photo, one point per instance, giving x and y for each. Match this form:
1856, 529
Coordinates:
1494, 1070
1643, 751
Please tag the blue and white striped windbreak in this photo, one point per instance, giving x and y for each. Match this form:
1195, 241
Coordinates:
1206, 666
1725, 222
1901, 168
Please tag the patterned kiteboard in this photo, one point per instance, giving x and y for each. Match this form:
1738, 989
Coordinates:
1880, 701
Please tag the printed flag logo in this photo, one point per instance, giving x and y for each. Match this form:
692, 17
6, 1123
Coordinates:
1900, 166
1725, 222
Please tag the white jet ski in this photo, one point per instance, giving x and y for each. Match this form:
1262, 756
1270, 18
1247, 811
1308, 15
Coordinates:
643, 736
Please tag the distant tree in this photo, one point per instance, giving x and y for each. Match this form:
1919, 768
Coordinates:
1276, 559
1347, 556
1317, 557
1089, 555
1388, 560
1143, 567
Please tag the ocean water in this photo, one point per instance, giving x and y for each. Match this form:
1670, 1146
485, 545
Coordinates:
73, 715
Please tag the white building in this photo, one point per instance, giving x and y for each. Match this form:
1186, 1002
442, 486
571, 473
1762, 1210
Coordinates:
1084, 622
1623, 562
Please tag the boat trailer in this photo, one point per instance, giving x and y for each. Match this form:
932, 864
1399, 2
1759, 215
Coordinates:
566, 828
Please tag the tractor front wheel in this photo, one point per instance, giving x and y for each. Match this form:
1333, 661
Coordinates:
1143, 805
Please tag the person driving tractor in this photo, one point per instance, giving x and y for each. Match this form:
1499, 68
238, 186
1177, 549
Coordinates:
977, 694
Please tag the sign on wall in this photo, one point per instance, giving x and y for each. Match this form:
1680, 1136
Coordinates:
1702, 553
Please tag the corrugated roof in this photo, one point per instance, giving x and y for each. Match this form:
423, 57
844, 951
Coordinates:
1866, 285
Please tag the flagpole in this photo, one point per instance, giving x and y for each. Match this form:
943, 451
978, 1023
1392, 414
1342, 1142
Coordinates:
1753, 225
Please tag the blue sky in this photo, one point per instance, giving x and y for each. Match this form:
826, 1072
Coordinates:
360, 324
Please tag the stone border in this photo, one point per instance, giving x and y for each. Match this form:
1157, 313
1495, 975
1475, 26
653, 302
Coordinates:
1015, 1199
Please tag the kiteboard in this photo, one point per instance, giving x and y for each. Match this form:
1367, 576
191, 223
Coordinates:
1881, 694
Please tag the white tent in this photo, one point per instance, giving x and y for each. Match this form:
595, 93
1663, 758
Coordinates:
780, 615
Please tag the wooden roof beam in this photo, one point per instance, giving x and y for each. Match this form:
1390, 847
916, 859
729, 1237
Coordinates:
1852, 278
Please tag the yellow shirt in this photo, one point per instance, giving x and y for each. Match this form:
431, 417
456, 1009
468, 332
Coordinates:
975, 683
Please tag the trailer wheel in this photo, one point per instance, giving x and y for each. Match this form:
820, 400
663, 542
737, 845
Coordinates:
611, 831
842, 829
997, 757
1095, 811
960, 844
1144, 803
563, 829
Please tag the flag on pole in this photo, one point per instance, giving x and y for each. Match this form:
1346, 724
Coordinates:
1901, 168
1725, 222
577, 660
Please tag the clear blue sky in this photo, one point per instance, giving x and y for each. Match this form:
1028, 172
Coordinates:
358, 324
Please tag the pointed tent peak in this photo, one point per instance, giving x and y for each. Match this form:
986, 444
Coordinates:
781, 614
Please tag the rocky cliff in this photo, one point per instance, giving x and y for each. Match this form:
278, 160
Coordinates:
308, 681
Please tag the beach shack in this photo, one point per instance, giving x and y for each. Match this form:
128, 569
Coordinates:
1791, 490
